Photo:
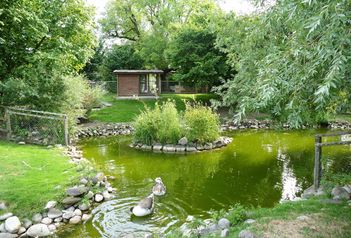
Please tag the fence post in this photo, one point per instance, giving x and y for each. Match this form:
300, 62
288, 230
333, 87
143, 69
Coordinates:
66, 130
8, 123
317, 162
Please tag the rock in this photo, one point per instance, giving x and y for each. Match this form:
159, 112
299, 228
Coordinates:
246, 234
90, 194
21, 230
191, 149
54, 213
98, 197
52, 227
157, 147
7, 235
183, 141
250, 221
169, 148
37, 218
77, 212
340, 193
303, 218
224, 223
180, 148
71, 200
99, 177
75, 220
128, 236
68, 215
59, 219
83, 181
310, 192
38, 230
27, 223
86, 217
46, 221
12, 224
208, 146
225, 233
21, 143
50, 204
5, 216
148, 235
76, 191
2, 227
84, 206
107, 196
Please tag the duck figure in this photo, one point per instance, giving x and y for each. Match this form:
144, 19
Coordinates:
145, 206
159, 188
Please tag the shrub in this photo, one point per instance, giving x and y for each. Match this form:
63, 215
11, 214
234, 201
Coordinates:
201, 123
161, 124
236, 214
79, 97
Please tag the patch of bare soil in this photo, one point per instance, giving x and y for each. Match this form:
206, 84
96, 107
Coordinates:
313, 225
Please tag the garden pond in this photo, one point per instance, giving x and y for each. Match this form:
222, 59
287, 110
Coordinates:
259, 168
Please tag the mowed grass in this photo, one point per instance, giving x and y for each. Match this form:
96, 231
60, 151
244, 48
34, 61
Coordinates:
31, 175
323, 220
127, 109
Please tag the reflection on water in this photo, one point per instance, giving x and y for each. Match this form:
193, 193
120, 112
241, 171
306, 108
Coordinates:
257, 169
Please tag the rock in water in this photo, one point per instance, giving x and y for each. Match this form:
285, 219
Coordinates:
12, 224
38, 230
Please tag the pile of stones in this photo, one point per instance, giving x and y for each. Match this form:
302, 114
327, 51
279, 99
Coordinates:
338, 193
184, 146
247, 124
108, 129
343, 125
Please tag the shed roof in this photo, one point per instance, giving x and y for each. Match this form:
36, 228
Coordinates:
139, 71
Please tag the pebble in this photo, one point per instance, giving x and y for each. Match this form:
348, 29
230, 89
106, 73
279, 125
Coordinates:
98, 197
107, 196
7, 235
21, 230
3, 206
250, 221
68, 215
303, 218
84, 206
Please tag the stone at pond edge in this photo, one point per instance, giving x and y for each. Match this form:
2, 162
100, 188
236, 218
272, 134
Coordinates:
86, 217
46, 221
246, 234
84, 206
183, 141
71, 200
76, 191
340, 193
37, 218
54, 213
225, 233
27, 223
50, 204
5, 216
7, 235
68, 215
90, 194
250, 221
75, 220
38, 230
77, 212
98, 197
12, 224
224, 223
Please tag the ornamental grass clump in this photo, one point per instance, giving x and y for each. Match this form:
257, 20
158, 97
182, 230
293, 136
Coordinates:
201, 123
146, 125
169, 131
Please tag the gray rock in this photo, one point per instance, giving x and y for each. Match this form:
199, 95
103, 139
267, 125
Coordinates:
5, 216
148, 235
12, 224
76, 191
84, 206
3, 206
169, 148
157, 147
21, 230
27, 223
250, 221
224, 223
77, 212
54, 213
302, 218
199, 147
2, 227
146, 147
107, 196
75, 220
90, 194
68, 215
183, 141
246, 234
225, 233
7, 235
37, 218
191, 149
38, 230
98, 197
208, 146
83, 181
128, 236
52, 227
86, 217
71, 200
46, 221
180, 148
59, 219
340, 193
50, 204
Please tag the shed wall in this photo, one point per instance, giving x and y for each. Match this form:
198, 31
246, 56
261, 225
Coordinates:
128, 85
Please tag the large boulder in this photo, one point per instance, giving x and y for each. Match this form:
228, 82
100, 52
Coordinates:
12, 224
340, 193
38, 230
76, 191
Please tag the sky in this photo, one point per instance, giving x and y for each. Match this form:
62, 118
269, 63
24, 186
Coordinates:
238, 6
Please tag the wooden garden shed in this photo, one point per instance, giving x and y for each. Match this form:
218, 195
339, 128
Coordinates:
138, 83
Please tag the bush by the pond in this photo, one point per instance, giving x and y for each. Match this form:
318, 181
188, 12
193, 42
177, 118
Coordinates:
202, 124
163, 124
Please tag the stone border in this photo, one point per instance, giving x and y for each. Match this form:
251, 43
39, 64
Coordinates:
78, 203
183, 146
104, 129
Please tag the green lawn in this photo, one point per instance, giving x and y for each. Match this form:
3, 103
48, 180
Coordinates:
125, 110
30, 176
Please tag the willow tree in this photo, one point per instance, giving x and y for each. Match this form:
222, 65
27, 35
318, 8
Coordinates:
293, 60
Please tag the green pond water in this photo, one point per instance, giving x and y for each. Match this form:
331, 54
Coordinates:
259, 168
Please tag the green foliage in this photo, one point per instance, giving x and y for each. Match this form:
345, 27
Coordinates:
236, 214
79, 98
292, 60
41, 41
201, 123
160, 124
205, 65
